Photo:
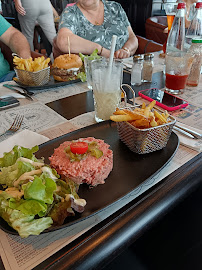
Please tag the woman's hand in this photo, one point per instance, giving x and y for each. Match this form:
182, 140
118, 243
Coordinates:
19, 7
121, 53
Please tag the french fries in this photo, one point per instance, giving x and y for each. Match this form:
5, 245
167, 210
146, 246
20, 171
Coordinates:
142, 117
31, 65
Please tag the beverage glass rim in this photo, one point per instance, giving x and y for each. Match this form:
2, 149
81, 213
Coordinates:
106, 60
170, 8
178, 54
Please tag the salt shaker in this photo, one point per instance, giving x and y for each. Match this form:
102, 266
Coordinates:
136, 73
148, 66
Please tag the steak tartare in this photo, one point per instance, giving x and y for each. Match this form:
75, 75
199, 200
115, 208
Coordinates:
90, 169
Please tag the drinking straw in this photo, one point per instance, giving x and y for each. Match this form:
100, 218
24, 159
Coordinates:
68, 41
112, 50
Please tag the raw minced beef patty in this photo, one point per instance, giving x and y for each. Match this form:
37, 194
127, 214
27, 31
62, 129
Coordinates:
90, 170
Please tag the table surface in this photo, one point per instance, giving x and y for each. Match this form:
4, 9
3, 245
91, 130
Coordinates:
108, 239
105, 241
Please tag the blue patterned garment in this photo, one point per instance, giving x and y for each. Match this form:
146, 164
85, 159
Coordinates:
4, 66
115, 23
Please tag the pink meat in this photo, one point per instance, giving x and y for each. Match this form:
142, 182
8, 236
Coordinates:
90, 170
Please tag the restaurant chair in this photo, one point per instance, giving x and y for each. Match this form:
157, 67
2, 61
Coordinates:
146, 45
154, 28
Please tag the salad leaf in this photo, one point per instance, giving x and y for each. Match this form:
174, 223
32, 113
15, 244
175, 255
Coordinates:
82, 76
94, 55
73, 188
11, 157
28, 207
60, 211
25, 225
39, 190
33, 206
11, 173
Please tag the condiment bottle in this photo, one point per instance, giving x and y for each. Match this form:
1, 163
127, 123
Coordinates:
195, 29
148, 66
136, 73
196, 51
176, 37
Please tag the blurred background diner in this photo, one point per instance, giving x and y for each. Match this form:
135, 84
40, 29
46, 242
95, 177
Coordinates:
38, 12
11, 38
147, 19
91, 24
141, 16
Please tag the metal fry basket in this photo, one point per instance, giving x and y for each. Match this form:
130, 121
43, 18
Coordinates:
143, 141
37, 78
147, 140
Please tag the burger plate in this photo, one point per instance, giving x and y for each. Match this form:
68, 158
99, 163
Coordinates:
51, 84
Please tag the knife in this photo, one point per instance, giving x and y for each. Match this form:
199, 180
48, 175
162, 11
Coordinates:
23, 89
18, 91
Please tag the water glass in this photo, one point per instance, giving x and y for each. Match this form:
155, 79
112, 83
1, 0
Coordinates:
178, 65
87, 65
106, 82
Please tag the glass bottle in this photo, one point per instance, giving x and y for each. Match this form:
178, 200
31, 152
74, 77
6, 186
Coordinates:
195, 29
148, 67
136, 73
196, 51
176, 37
170, 9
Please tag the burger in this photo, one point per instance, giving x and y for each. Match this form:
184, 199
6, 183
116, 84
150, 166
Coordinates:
66, 67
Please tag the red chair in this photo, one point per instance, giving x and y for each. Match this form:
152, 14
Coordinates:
154, 28
146, 45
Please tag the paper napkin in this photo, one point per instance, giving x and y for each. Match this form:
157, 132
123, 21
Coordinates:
25, 138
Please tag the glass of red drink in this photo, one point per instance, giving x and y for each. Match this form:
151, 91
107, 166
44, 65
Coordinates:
178, 65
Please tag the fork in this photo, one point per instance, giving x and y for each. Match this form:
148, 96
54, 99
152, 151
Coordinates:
15, 125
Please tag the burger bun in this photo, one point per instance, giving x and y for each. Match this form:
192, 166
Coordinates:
66, 61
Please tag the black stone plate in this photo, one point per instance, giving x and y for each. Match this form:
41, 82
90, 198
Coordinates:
51, 84
130, 169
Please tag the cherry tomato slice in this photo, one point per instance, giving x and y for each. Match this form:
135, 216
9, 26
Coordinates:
79, 147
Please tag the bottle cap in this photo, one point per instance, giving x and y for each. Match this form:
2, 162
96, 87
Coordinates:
199, 5
138, 57
148, 56
181, 6
196, 40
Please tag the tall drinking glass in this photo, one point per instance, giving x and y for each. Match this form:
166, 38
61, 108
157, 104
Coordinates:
178, 65
88, 71
106, 82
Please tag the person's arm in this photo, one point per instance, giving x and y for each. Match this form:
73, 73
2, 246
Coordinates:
17, 42
78, 44
129, 48
19, 7
55, 13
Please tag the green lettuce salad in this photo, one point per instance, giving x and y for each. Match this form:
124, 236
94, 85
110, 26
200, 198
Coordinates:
32, 196
94, 55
